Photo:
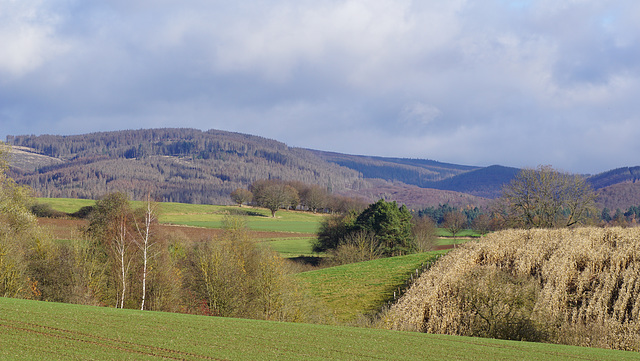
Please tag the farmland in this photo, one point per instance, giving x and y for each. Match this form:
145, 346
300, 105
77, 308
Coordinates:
32, 330
351, 294
363, 288
211, 216
290, 233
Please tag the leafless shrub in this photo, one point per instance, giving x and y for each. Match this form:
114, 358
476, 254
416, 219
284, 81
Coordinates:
424, 233
356, 247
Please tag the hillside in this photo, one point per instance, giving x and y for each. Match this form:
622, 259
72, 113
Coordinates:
415, 197
419, 172
193, 166
178, 165
483, 182
615, 176
619, 196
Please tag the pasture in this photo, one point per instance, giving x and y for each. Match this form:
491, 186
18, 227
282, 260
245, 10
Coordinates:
362, 288
31, 330
211, 216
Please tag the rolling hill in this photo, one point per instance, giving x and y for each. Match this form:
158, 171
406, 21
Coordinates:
193, 166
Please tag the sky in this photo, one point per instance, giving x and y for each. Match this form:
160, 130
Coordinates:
512, 82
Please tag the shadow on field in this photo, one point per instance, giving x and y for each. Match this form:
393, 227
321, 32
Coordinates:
313, 261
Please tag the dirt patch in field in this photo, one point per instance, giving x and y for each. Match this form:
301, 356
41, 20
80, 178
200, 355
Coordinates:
72, 229
444, 246
63, 228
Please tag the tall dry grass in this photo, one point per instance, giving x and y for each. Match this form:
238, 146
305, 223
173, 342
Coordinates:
576, 286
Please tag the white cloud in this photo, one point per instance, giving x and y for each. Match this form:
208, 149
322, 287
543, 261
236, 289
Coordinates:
27, 37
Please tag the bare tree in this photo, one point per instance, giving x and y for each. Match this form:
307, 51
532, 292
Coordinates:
273, 195
121, 245
241, 195
454, 222
145, 242
424, 233
482, 224
314, 197
110, 224
547, 198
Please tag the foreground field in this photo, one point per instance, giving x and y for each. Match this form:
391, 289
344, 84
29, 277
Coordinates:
31, 330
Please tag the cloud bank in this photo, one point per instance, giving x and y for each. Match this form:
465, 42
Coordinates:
517, 83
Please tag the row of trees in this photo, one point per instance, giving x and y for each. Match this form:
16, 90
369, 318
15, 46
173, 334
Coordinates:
275, 194
535, 198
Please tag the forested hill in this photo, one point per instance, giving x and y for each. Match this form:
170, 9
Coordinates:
179, 165
194, 166
419, 172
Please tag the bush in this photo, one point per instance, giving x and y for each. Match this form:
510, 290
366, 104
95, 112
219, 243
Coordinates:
43, 210
388, 223
236, 277
500, 305
356, 247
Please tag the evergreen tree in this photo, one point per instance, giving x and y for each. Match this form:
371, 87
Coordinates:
390, 224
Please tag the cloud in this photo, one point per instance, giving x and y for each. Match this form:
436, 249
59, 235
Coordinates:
513, 82
26, 35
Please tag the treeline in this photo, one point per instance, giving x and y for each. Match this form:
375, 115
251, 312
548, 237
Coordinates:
630, 217
480, 219
175, 165
275, 194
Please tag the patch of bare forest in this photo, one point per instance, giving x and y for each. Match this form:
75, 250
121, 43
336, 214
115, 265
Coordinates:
574, 286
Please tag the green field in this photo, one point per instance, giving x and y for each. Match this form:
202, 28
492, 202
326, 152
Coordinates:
360, 288
443, 232
210, 216
292, 247
31, 330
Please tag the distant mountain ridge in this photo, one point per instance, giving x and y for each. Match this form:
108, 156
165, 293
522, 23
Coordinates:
194, 166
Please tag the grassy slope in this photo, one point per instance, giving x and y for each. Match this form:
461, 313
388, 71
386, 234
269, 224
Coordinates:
359, 288
31, 330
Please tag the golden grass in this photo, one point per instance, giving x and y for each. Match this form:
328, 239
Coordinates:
589, 282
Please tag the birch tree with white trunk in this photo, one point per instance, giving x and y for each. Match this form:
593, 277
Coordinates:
145, 242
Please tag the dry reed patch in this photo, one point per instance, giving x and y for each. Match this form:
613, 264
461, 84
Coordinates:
585, 276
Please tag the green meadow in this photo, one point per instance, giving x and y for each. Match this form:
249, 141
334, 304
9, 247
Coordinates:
211, 216
32, 330
292, 247
363, 288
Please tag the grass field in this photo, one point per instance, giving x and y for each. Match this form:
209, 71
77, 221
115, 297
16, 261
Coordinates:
31, 330
292, 247
210, 216
364, 287
443, 232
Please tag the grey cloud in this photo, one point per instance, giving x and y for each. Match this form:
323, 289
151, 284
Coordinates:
517, 82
